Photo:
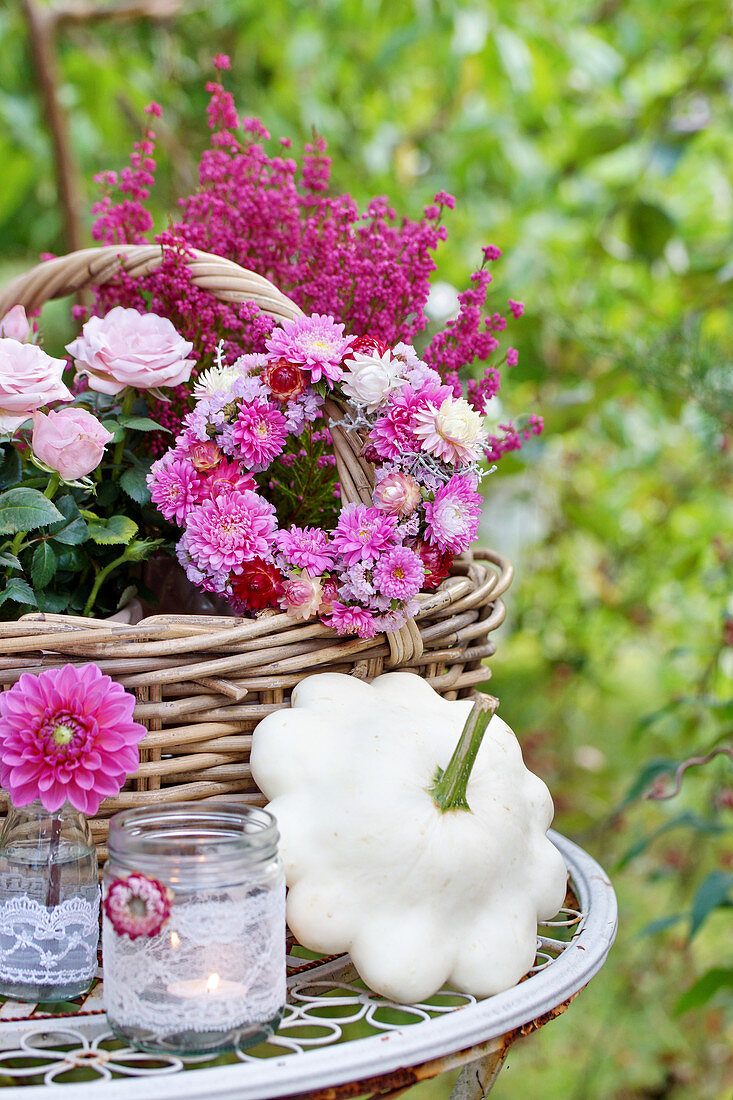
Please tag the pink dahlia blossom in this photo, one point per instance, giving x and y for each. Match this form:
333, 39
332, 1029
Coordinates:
302, 596
137, 905
352, 619
174, 486
307, 547
315, 343
225, 479
453, 431
65, 734
363, 533
70, 441
14, 325
452, 519
28, 379
399, 573
259, 433
397, 493
127, 348
224, 533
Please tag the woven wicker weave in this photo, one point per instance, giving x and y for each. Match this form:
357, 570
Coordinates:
203, 682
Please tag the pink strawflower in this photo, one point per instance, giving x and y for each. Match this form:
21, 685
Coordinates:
67, 733
394, 432
260, 433
302, 596
223, 533
315, 343
396, 493
307, 547
452, 519
453, 431
225, 479
399, 573
362, 533
352, 619
174, 486
205, 456
137, 905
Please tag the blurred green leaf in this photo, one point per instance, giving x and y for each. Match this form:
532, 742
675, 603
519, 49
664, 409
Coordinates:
704, 989
712, 893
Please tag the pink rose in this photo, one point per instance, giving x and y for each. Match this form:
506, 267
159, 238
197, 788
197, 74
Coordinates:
70, 441
14, 325
301, 596
397, 493
28, 379
127, 348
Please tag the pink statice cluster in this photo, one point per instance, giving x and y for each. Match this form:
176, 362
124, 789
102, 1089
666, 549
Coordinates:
369, 269
362, 566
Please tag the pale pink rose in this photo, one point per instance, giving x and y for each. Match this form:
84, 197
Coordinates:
397, 493
14, 325
301, 596
127, 348
28, 379
70, 441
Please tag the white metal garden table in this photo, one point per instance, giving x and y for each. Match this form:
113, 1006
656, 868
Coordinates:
336, 1039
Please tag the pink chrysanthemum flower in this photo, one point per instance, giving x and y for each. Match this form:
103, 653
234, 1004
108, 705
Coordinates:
175, 486
315, 343
223, 533
394, 432
137, 905
363, 533
399, 573
352, 619
453, 431
65, 734
260, 433
452, 519
308, 548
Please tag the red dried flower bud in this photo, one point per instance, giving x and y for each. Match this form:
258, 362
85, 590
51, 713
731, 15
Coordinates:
366, 345
260, 584
286, 380
437, 565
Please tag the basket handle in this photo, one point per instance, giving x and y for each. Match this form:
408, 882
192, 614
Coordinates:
229, 282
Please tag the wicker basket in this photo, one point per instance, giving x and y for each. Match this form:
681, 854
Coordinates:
204, 682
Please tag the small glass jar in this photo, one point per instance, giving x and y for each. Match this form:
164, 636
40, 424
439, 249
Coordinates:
49, 904
193, 934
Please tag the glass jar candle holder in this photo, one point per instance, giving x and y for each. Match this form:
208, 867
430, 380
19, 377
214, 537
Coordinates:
49, 904
193, 933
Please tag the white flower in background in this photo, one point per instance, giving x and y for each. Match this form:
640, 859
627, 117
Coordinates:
370, 379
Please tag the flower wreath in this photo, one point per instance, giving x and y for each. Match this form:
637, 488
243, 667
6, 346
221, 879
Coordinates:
259, 432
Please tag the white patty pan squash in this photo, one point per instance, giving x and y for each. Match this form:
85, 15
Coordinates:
422, 885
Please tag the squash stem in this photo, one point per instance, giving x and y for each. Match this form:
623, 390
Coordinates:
449, 786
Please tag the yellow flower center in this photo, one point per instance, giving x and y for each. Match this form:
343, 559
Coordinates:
63, 734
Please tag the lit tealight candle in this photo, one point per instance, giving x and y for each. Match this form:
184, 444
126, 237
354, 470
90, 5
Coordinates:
208, 988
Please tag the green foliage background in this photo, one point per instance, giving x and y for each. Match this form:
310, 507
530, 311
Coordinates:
593, 143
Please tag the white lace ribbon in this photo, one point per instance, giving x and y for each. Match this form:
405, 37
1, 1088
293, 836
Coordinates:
48, 946
217, 964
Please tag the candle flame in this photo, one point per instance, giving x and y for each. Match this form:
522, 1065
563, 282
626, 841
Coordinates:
213, 983
175, 939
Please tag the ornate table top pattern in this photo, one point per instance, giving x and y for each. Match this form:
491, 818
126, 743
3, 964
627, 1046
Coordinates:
336, 1037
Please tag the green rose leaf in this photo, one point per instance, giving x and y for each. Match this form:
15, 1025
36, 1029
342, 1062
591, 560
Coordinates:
118, 432
53, 602
73, 530
113, 531
141, 549
9, 561
142, 424
43, 565
134, 483
19, 591
25, 510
